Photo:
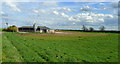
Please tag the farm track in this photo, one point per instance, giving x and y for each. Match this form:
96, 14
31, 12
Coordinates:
1, 32
64, 34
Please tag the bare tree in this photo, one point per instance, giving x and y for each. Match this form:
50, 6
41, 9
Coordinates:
84, 28
91, 29
102, 28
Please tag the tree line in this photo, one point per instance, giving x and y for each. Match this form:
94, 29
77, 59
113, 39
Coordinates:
101, 28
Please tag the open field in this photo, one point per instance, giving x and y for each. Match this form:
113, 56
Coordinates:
60, 47
0, 46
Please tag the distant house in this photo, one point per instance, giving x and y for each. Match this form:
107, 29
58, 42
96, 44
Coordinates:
35, 28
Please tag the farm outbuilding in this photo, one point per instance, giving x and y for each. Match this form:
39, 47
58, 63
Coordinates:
34, 28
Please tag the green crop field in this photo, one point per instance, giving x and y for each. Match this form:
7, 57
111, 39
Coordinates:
62, 47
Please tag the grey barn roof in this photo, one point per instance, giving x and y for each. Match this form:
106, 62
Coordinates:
26, 27
41, 27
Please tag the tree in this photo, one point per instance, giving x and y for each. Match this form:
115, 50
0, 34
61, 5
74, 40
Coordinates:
91, 29
12, 28
102, 28
84, 28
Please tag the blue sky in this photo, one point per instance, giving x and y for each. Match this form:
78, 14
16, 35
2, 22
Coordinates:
61, 15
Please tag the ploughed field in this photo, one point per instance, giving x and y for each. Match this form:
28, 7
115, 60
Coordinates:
67, 46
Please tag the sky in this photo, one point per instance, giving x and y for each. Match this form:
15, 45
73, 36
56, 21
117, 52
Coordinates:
61, 14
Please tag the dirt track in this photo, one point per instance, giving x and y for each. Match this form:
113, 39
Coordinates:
1, 32
68, 34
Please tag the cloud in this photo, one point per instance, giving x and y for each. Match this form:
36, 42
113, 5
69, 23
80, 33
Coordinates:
62, 0
20, 1
86, 9
67, 9
50, 3
39, 11
63, 9
85, 17
1, 12
109, 6
73, 19
93, 17
60, 13
64, 15
13, 6
73, 23
114, 4
55, 12
89, 17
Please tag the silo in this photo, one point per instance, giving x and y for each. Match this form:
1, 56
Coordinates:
35, 27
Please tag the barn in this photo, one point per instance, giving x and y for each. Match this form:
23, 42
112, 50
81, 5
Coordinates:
35, 28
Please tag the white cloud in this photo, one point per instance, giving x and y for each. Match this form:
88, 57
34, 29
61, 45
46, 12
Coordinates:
35, 11
101, 20
86, 9
73, 19
73, 23
1, 12
92, 17
50, 3
39, 11
64, 15
101, 3
55, 12
62, 9
89, 17
13, 6
85, 17
67, 9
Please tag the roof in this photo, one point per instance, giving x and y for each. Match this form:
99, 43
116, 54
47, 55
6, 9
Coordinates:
41, 27
26, 27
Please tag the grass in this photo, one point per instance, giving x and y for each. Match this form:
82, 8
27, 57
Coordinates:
0, 46
75, 47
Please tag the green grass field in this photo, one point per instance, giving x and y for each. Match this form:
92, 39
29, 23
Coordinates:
69, 47
0, 46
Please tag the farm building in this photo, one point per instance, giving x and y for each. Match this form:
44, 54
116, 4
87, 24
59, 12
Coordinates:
35, 28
